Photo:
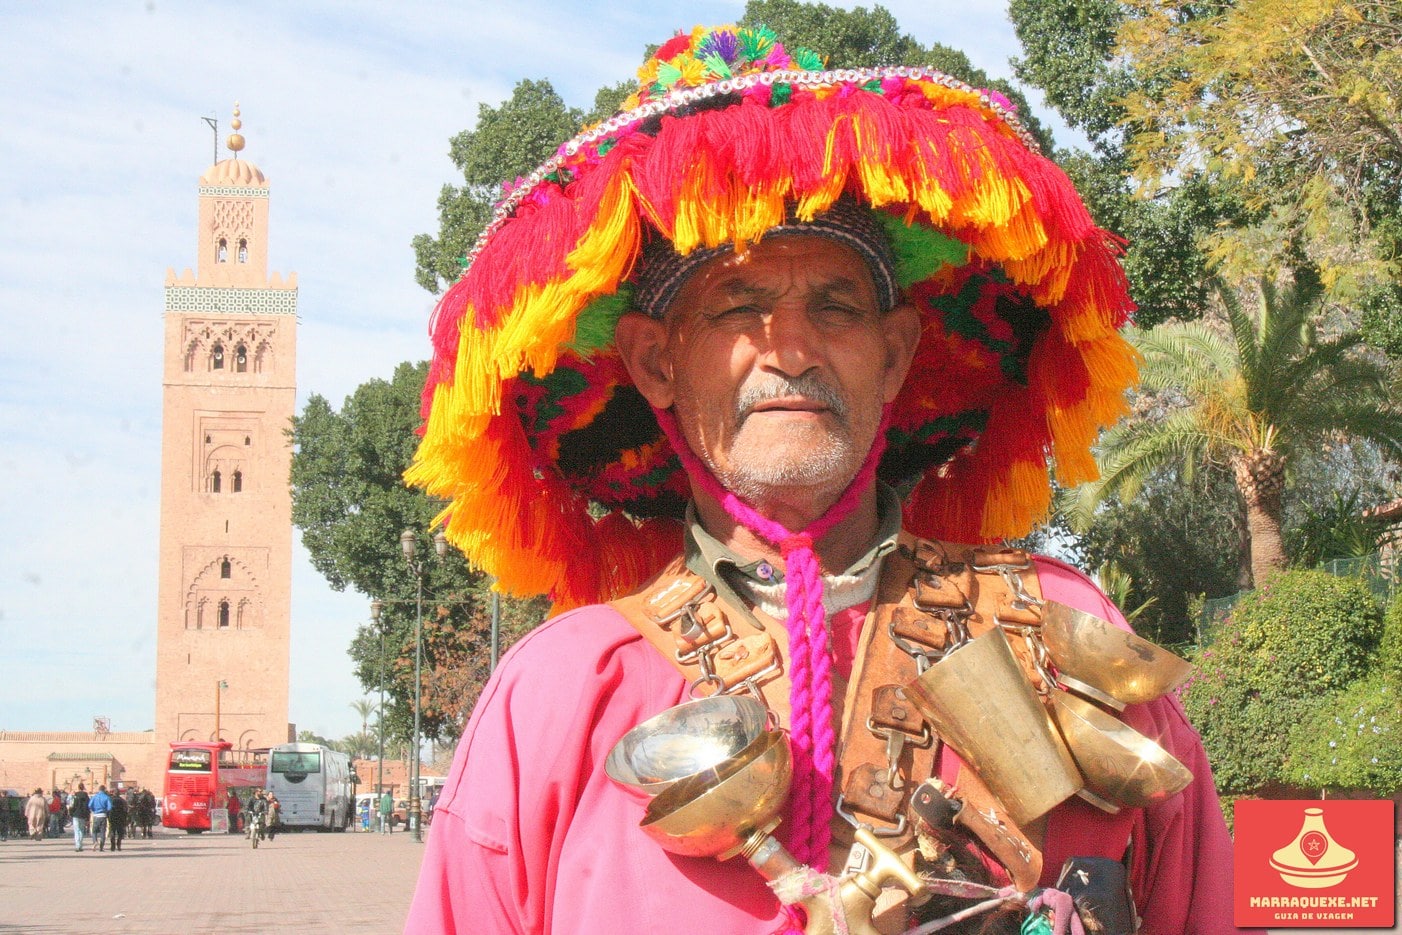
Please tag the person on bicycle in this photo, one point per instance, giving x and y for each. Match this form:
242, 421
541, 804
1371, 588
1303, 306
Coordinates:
257, 814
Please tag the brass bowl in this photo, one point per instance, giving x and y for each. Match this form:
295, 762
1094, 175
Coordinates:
1095, 658
685, 740
713, 813
1119, 764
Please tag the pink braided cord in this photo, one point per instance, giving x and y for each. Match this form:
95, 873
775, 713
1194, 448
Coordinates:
811, 735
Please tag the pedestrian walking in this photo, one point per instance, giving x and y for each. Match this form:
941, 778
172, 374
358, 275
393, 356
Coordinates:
117, 821
36, 811
146, 811
274, 815
80, 813
56, 815
235, 809
99, 805
386, 813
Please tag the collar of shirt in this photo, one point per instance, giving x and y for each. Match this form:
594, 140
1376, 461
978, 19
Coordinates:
760, 584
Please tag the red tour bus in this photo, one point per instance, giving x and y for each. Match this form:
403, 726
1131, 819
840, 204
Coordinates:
199, 777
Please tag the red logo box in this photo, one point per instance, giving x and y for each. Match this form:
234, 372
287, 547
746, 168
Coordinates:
1314, 864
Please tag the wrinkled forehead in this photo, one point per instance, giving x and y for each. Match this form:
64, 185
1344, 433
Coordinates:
813, 266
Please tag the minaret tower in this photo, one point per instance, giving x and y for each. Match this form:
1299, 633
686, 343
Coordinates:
224, 616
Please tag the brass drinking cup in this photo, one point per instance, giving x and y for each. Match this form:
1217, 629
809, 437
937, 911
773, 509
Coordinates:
714, 812
1119, 764
685, 740
1097, 660
981, 704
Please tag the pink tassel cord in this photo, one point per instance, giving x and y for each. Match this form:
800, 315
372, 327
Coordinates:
811, 734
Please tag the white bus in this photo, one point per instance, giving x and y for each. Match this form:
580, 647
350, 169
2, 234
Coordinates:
312, 784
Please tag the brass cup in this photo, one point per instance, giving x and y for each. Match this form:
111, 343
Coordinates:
1119, 764
1096, 659
980, 703
685, 740
714, 812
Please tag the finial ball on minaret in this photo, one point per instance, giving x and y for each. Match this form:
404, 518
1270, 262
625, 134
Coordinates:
235, 141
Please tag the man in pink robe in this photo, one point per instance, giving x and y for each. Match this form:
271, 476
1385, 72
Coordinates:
836, 283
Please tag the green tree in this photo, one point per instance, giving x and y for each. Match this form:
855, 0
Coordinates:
1176, 539
351, 505
1353, 740
1297, 104
1069, 51
307, 736
1266, 675
1248, 397
507, 142
1284, 114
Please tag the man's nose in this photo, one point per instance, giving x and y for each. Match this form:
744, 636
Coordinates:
792, 342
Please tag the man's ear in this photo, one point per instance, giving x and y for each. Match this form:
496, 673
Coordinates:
642, 344
902, 329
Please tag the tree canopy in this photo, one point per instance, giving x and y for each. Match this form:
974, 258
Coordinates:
350, 502
1250, 396
1287, 114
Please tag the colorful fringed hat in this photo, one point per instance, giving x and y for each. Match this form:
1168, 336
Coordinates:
557, 477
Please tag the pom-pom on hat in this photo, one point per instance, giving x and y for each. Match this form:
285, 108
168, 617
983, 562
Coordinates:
557, 477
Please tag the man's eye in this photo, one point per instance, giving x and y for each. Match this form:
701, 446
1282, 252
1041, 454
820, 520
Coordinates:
738, 310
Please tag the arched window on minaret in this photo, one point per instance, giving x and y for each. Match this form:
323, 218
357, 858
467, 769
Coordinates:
226, 569
199, 614
238, 482
223, 615
217, 356
215, 481
243, 250
241, 359
223, 255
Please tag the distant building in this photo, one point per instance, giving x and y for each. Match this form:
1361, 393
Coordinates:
223, 617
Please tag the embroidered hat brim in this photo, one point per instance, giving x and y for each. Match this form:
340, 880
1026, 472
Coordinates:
532, 427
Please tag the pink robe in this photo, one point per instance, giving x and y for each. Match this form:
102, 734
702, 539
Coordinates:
531, 836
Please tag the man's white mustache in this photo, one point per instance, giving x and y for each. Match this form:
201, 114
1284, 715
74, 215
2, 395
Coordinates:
807, 388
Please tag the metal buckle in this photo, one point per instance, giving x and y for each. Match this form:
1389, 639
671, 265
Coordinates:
1010, 576
924, 656
851, 818
700, 649
922, 741
689, 606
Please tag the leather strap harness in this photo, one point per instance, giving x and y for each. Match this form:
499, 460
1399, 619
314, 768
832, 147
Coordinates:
931, 595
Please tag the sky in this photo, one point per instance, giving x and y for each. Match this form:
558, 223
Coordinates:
347, 108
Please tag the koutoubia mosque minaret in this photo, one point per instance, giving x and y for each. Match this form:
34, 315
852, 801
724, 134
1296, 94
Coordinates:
224, 615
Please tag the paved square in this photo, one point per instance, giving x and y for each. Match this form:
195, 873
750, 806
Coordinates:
180, 883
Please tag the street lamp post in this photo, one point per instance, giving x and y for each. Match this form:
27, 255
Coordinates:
409, 544
219, 687
376, 608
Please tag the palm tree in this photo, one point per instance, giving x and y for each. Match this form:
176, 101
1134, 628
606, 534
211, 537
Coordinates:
364, 707
1250, 396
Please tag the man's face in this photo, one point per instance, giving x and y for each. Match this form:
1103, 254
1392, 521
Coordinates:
778, 364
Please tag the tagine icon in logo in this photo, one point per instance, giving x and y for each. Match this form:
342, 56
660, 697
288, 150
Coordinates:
1313, 860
